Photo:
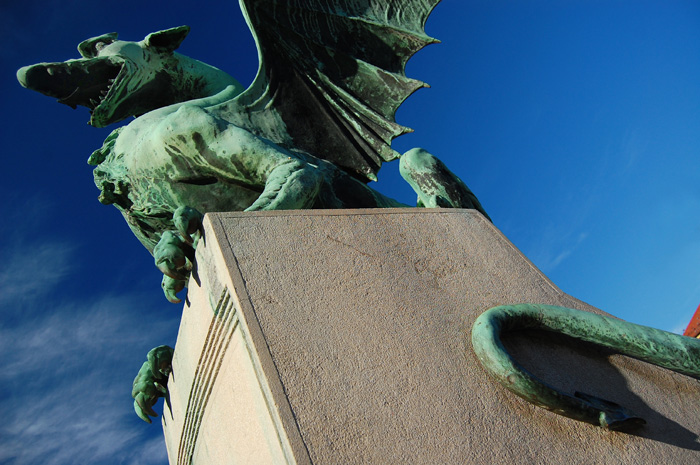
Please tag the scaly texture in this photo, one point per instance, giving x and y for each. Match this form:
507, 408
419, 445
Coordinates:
677, 353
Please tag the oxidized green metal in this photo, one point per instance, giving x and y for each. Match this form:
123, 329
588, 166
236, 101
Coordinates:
311, 130
151, 382
314, 126
434, 183
668, 350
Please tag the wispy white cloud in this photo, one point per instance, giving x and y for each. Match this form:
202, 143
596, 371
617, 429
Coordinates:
549, 253
67, 383
67, 365
570, 248
557, 241
632, 147
31, 267
31, 271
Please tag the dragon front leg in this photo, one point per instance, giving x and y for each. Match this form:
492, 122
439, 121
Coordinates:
290, 185
174, 253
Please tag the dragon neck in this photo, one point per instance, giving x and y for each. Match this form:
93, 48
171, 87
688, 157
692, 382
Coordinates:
197, 80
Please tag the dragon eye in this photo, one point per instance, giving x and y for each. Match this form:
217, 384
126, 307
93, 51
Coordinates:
102, 44
91, 48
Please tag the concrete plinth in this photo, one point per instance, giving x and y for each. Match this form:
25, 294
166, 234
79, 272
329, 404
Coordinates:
342, 337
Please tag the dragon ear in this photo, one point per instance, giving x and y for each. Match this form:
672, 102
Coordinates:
167, 40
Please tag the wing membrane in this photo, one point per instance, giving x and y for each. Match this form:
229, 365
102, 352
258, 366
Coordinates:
332, 76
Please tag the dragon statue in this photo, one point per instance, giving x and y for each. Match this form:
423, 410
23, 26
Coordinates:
311, 131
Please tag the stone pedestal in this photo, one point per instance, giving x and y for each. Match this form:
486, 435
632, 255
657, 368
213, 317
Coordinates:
342, 337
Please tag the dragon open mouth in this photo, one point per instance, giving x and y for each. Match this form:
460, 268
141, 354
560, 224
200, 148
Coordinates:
87, 83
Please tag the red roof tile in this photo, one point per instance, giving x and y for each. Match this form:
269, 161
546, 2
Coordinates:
693, 329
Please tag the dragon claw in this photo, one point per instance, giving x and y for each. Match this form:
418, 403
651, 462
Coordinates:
435, 184
139, 411
188, 221
170, 269
151, 382
174, 253
145, 404
434, 201
160, 362
171, 287
170, 257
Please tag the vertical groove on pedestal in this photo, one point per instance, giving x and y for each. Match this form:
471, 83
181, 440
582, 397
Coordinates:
223, 325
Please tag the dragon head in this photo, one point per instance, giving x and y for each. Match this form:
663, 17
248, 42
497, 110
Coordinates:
117, 79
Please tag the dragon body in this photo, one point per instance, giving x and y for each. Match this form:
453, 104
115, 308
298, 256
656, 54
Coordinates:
187, 154
311, 131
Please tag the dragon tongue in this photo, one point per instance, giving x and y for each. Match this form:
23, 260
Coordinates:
67, 100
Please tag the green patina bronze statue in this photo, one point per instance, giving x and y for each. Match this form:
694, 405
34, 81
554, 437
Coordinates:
678, 353
151, 383
311, 130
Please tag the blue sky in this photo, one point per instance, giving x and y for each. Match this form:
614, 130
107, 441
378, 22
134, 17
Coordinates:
576, 123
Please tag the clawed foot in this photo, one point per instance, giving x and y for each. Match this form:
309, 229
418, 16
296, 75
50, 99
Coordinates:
151, 382
188, 222
174, 253
171, 287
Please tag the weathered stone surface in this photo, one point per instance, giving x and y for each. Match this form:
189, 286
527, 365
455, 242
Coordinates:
345, 339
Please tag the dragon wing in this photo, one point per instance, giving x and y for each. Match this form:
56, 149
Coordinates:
332, 75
